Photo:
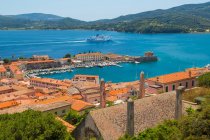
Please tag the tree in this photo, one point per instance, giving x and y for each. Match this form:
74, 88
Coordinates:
68, 55
204, 80
6, 60
32, 125
73, 117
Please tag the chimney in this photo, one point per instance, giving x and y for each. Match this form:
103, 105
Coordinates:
130, 117
190, 73
102, 94
178, 105
141, 86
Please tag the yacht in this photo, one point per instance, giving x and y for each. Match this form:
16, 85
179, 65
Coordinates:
99, 38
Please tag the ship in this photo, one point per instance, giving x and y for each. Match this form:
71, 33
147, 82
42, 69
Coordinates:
99, 38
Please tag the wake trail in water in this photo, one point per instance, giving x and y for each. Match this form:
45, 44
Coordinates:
44, 43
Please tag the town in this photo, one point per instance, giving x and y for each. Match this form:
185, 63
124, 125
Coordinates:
22, 89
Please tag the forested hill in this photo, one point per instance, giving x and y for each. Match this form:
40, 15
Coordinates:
185, 18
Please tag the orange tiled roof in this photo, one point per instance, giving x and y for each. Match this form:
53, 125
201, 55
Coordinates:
79, 105
118, 91
8, 104
78, 97
70, 127
89, 54
50, 81
111, 98
38, 94
173, 77
40, 61
54, 100
2, 69
15, 69
80, 75
64, 59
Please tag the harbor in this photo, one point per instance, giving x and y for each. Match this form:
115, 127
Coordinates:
43, 65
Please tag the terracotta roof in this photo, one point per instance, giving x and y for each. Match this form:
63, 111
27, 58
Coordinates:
69, 127
81, 75
111, 55
50, 81
56, 99
79, 105
64, 59
111, 98
15, 69
173, 77
118, 91
51, 106
38, 94
8, 104
3, 88
78, 97
89, 54
40, 61
2, 68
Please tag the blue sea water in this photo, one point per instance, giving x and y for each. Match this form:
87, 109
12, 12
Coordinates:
175, 51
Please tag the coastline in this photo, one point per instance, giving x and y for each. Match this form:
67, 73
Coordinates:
82, 29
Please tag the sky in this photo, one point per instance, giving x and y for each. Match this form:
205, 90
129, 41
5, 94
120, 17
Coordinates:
88, 10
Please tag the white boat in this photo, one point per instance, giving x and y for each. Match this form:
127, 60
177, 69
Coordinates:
99, 38
136, 62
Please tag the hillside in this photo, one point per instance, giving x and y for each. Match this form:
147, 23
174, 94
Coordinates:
37, 17
185, 18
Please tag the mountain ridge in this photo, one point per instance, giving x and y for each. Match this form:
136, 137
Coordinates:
184, 18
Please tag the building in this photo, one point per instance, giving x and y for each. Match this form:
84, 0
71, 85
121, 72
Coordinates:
80, 106
148, 57
170, 82
42, 64
120, 94
57, 108
6, 89
87, 57
15, 72
3, 72
86, 78
110, 123
114, 57
8, 104
40, 57
48, 83
65, 61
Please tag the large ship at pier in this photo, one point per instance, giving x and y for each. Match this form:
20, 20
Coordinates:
99, 38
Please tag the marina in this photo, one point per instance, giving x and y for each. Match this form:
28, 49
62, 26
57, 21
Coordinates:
181, 51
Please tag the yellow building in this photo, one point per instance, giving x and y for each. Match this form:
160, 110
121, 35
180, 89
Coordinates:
86, 57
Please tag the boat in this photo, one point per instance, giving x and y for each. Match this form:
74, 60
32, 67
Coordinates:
136, 62
99, 38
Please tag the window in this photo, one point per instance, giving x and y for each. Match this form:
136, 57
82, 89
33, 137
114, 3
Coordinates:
193, 83
63, 111
56, 113
173, 87
166, 89
186, 85
180, 84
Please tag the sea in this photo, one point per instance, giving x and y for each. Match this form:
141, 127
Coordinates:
175, 52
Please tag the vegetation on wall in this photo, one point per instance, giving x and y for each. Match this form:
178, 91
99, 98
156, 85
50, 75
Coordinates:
204, 80
194, 126
74, 118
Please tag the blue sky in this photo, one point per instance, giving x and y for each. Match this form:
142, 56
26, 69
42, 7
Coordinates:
88, 9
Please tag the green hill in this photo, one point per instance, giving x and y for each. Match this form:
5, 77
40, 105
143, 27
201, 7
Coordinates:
185, 18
